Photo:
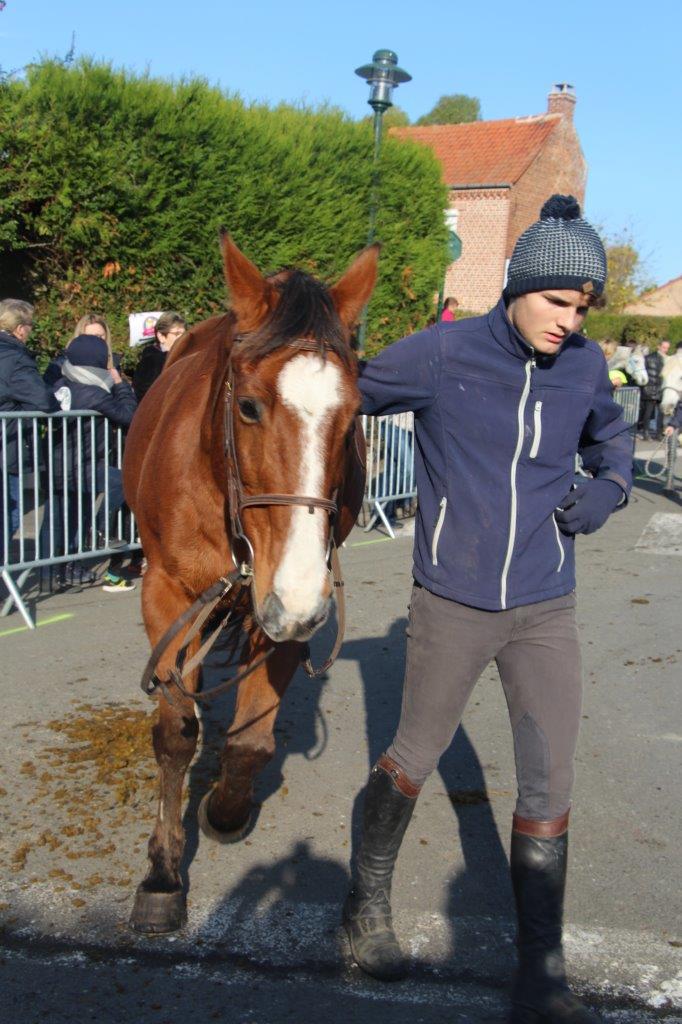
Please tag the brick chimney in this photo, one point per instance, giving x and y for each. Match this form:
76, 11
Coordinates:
561, 100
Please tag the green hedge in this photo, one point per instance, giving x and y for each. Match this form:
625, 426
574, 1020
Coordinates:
644, 329
113, 188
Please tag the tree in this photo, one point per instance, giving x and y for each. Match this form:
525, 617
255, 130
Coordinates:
395, 117
643, 330
627, 278
135, 176
454, 109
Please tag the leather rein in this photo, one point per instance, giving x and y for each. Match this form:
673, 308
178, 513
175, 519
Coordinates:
240, 578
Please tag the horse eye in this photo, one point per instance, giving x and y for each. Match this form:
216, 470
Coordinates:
249, 410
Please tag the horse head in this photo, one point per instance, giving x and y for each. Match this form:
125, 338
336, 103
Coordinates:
291, 414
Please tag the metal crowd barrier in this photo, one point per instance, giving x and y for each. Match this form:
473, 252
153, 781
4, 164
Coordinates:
390, 464
65, 485
67, 506
629, 399
64, 498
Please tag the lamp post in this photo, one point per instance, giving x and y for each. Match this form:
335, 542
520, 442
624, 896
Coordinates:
383, 76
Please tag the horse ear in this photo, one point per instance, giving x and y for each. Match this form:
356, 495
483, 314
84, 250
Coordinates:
352, 291
250, 293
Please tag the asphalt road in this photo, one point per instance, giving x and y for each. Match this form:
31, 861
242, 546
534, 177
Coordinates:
263, 942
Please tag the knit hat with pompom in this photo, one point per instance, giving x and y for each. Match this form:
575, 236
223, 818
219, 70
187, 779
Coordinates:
561, 250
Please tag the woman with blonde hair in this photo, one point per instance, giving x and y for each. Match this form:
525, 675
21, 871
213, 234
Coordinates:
91, 324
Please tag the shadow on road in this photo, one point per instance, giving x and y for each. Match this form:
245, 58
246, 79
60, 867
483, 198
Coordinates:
300, 728
269, 891
483, 887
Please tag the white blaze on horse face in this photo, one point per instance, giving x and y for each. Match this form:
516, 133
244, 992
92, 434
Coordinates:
312, 387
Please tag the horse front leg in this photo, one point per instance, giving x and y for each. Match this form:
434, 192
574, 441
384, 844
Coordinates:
227, 810
160, 903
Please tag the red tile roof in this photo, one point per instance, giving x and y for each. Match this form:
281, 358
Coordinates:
484, 152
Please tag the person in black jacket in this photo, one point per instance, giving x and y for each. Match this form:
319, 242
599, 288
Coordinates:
86, 383
652, 392
168, 328
21, 388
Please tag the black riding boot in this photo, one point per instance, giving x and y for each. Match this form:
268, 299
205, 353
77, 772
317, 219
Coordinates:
389, 802
538, 868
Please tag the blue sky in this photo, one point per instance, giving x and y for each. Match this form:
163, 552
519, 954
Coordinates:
624, 61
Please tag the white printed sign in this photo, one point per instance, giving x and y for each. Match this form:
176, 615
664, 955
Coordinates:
142, 327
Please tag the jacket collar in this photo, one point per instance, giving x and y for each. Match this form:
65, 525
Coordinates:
6, 336
505, 334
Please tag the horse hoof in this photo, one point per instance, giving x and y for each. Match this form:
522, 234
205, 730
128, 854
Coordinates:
211, 832
155, 913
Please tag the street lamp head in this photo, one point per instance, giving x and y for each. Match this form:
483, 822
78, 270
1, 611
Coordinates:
383, 76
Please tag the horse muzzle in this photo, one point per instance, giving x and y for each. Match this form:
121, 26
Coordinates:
281, 624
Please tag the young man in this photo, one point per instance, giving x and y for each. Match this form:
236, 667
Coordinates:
502, 404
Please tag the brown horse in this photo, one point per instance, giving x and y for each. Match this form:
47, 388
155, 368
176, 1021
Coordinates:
265, 395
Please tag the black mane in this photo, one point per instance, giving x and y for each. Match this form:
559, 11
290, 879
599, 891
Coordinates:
305, 310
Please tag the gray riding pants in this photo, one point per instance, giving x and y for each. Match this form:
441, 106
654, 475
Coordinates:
538, 656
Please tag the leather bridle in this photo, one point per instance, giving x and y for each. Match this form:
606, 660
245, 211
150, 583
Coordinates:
201, 610
238, 499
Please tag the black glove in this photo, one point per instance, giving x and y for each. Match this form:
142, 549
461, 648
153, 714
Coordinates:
588, 507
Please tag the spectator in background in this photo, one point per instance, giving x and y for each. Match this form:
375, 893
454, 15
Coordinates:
92, 324
652, 392
449, 309
168, 328
21, 388
89, 383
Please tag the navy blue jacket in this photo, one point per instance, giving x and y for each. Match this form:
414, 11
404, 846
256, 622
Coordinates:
21, 389
497, 427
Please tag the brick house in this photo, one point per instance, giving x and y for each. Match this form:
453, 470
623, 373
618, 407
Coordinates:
498, 174
663, 301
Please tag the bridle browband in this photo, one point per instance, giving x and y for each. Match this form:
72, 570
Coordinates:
200, 611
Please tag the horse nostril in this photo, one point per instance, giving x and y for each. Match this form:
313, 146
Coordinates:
273, 610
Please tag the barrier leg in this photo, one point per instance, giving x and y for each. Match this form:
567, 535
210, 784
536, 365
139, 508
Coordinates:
670, 458
380, 514
15, 597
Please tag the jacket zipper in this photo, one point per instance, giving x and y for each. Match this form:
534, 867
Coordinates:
437, 531
537, 429
562, 553
512, 475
